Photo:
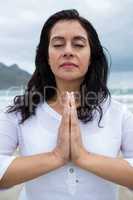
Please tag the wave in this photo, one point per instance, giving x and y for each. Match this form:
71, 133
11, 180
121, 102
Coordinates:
125, 99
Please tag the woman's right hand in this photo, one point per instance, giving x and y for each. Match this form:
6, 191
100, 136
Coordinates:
62, 149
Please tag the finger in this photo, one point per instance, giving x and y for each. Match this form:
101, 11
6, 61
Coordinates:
64, 125
66, 111
74, 116
75, 128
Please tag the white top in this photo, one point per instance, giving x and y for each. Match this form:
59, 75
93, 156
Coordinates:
39, 133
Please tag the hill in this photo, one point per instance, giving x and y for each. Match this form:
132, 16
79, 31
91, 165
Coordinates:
12, 76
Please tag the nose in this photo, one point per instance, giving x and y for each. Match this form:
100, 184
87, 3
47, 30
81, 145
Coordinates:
68, 51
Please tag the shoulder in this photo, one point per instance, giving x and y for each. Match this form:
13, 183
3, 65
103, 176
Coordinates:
118, 108
12, 117
111, 105
117, 105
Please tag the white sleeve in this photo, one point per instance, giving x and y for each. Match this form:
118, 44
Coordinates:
127, 137
8, 140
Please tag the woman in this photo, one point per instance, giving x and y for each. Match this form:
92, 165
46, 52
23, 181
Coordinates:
65, 123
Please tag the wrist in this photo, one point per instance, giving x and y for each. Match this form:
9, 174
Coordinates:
83, 158
58, 159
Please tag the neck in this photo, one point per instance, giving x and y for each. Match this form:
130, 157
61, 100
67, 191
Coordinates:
68, 86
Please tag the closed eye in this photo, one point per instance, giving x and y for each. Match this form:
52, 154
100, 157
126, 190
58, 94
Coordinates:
58, 45
75, 45
79, 45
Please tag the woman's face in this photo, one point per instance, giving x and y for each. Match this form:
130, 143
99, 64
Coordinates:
69, 50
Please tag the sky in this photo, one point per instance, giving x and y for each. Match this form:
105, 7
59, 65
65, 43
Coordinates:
21, 22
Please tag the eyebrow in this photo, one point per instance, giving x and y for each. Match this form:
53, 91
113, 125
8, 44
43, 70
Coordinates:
78, 37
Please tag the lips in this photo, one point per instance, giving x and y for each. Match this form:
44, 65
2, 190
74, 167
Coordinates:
68, 65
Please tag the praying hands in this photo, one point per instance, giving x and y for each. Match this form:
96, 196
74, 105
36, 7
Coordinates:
69, 142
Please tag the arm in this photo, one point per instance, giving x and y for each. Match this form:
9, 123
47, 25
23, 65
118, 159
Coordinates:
26, 168
15, 170
118, 170
112, 169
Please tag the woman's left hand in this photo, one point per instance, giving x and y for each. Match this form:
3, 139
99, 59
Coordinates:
76, 145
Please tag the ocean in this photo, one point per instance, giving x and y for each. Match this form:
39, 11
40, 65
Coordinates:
120, 84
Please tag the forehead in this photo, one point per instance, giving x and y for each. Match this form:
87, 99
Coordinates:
69, 28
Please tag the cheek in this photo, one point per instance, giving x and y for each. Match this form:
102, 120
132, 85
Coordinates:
85, 60
52, 58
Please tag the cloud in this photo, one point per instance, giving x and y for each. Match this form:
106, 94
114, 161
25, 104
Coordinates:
21, 23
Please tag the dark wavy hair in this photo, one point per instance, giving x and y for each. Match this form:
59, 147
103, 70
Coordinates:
94, 83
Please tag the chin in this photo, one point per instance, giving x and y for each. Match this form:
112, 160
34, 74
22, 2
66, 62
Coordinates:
69, 78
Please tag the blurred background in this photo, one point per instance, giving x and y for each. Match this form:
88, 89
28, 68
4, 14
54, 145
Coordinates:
20, 27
